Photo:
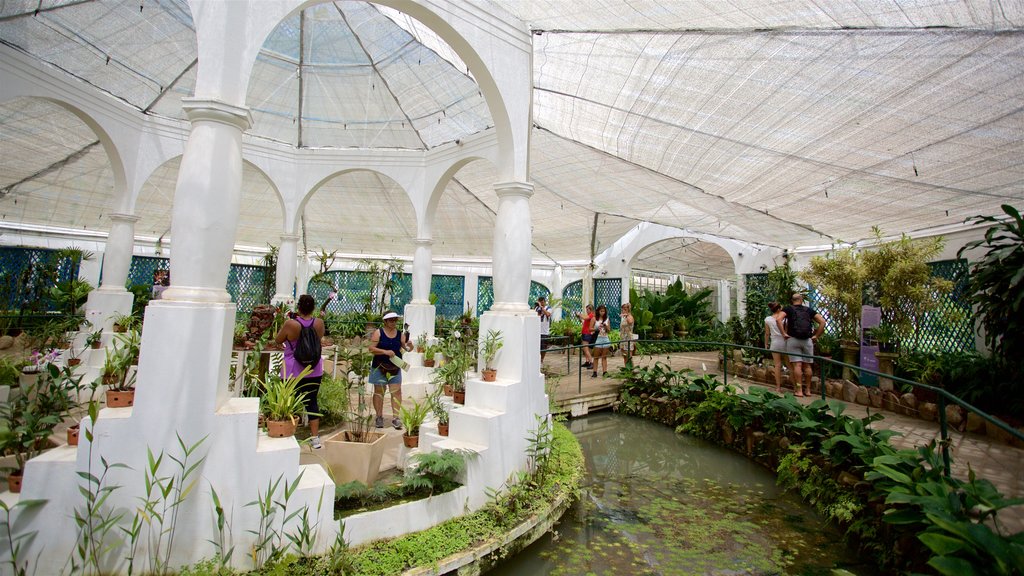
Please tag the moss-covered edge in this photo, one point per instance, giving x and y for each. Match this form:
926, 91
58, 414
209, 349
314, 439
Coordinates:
482, 536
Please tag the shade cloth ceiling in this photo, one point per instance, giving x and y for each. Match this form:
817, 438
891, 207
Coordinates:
789, 123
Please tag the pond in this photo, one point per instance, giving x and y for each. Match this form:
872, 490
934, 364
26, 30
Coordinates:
655, 502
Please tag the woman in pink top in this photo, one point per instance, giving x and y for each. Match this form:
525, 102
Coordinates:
588, 335
289, 337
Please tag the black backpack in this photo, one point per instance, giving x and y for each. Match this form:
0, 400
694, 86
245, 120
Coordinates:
798, 322
307, 347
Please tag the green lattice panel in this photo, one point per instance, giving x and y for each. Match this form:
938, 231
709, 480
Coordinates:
26, 274
608, 293
572, 299
485, 293
247, 287
353, 290
402, 294
143, 267
949, 328
451, 294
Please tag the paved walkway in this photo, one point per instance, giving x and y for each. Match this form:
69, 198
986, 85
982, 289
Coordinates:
995, 461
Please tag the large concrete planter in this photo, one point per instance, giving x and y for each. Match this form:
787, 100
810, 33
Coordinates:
886, 360
350, 460
849, 357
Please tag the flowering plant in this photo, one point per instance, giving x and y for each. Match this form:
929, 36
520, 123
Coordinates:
39, 360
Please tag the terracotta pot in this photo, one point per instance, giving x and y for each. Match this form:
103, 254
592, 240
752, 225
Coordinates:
14, 481
96, 345
109, 379
428, 363
120, 398
490, 375
459, 397
120, 329
447, 390
411, 441
280, 428
442, 429
74, 361
73, 435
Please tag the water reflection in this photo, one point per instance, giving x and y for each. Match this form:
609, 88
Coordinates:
658, 503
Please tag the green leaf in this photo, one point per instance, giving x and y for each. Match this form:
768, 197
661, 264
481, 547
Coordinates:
950, 566
940, 543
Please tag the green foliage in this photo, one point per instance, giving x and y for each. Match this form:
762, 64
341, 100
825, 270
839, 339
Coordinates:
489, 347
412, 417
29, 418
778, 287
19, 566
333, 396
282, 399
9, 372
996, 286
907, 289
839, 278
435, 472
653, 312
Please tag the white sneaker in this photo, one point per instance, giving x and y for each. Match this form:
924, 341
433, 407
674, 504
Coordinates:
315, 441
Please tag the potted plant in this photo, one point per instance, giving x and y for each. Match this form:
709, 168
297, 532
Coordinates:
283, 403
31, 418
355, 453
124, 322
421, 343
451, 375
412, 418
885, 336
440, 410
428, 356
491, 344
118, 378
94, 340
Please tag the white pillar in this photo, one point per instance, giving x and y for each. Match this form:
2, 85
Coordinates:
724, 311
287, 259
421, 270
117, 257
741, 295
112, 299
512, 254
556, 291
419, 313
206, 202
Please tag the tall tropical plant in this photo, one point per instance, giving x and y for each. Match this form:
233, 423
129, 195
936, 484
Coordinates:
906, 288
839, 278
996, 285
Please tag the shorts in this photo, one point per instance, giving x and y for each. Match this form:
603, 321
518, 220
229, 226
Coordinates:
377, 378
800, 346
603, 342
545, 341
589, 338
778, 344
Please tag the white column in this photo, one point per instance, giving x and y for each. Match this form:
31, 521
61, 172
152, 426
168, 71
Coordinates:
741, 295
287, 259
512, 254
724, 311
419, 313
556, 291
421, 270
117, 257
206, 202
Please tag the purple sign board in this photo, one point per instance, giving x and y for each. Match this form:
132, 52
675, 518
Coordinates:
870, 318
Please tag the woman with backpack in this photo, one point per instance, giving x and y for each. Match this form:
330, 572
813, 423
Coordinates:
300, 337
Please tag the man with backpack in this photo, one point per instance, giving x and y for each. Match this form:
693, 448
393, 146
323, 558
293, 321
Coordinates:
797, 326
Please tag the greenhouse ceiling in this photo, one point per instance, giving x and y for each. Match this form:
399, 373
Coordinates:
790, 123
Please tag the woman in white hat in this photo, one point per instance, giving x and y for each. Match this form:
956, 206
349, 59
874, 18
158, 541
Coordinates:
386, 343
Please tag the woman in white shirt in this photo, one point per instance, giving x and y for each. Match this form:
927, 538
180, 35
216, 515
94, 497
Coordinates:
776, 342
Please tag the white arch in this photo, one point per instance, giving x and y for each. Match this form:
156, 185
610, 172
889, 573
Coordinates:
496, 48
618, 258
